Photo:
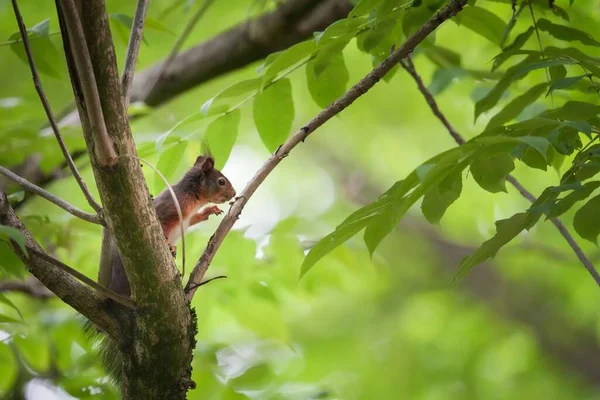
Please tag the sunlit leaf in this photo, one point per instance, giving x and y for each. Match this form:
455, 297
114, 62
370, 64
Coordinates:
327, 78
168, 163
364, 7
5, 300
482, 22
241, 88
45, 55
274, 113
516, 106
221, 135
287, 59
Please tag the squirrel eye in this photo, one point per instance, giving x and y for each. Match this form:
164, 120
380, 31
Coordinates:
221, 181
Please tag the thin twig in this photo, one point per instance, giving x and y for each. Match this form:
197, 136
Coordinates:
539, 39
410, 68
40, 90
335, 108
179, 43
105, 151
127, 302
93, 218
133, 49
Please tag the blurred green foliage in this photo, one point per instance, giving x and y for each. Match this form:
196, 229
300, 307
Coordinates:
385, 326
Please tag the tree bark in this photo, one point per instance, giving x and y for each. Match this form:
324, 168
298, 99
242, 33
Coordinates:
158, 339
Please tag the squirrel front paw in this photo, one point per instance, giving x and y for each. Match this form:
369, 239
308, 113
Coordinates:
205, 213
173, 249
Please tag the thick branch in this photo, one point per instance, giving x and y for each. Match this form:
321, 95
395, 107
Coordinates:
38, 86
157, 352
245, 43
72, 292
133, 49
338, 106
93, 218
103, 144
410, 68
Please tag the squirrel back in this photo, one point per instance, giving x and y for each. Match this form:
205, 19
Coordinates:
202, 184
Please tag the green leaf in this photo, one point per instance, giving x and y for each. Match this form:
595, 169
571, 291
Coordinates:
237, 89
168, 163
184, 122
8, 232
376, 34
516, 106
340, 30
16, 197
482, 22
573, 111
540, 144
560, 12
364, 7
587, 220
221, 136
274, 113
287, 59
494, 95
490, 172
156, 25
347, 229
9, 303
327, 78
519, 41
442, 57
45, 55
437, 200
506, 230
581, 193
430, 174
564, 83
567, 33
443, 78
35, 350
557, 72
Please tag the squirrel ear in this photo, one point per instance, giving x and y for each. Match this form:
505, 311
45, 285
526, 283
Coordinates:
205, 163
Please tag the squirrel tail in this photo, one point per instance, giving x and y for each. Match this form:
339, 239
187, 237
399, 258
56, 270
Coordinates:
108, 350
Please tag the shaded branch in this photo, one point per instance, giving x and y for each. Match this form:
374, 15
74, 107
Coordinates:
335, 108
104, 149
133, 49
67, 288
90, 282
243, 44
179, 43
38, 87
31, 287
410, 68
93, 218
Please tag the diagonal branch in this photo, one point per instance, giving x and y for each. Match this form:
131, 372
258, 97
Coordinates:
410, 68
133, 49
93, 218
104, 149
72, 292
127, 302
335, 108
38, 86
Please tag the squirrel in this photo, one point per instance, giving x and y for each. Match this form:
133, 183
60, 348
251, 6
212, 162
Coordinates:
202, 184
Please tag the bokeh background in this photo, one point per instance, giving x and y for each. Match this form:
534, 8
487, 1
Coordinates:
523, 326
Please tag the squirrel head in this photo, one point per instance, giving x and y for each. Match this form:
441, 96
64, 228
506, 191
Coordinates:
207, 183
